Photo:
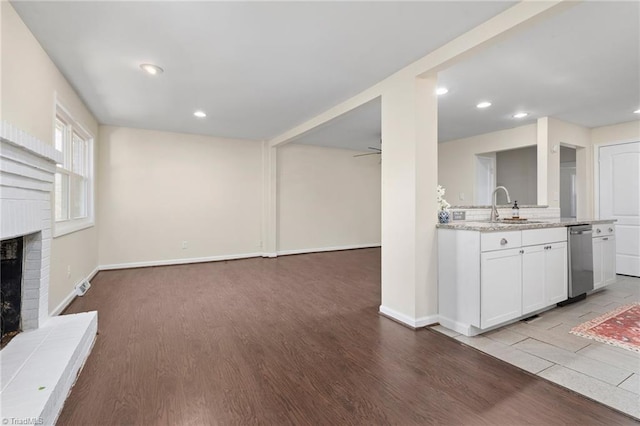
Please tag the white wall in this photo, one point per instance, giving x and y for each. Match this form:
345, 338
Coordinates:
158, 189
564, 133
623, 132
29, 83
456, 159
517, 170
326, 198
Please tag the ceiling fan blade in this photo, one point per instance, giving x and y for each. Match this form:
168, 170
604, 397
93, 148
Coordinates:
376, 149
368, 153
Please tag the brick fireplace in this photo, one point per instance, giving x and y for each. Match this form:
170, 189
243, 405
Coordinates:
39, 365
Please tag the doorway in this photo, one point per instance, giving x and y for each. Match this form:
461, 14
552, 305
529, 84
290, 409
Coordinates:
568, 182
485, 179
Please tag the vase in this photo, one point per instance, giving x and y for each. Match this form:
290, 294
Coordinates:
443, 216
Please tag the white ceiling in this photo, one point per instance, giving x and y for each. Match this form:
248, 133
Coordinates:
257, 69
581, 66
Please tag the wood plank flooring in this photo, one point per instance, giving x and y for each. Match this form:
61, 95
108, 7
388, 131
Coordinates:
292, 340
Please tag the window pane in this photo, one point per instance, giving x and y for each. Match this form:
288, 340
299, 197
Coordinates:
78, 197
59, 135
79, 155
62, 197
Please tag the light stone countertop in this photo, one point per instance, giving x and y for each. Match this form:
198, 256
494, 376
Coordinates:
486, 226
500, 206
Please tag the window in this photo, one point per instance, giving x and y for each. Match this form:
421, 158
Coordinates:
74, 177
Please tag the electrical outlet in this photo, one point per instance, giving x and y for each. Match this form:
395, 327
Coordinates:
461, 196
68, 271
185, 245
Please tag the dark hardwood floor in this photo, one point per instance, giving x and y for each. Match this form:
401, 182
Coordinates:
293, 340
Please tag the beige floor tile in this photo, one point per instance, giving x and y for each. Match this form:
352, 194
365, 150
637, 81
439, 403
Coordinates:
505, 336
632, 384
445, 331
613, 396
611, 355
590, 367
526, 361
560, 339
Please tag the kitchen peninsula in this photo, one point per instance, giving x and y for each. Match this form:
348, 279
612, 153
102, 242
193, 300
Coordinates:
493, 273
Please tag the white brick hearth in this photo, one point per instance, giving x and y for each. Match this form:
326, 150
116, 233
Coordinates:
40, 365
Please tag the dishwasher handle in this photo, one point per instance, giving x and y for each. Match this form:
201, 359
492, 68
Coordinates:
586, 231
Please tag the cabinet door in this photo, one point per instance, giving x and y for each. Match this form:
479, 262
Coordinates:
533, 278
598, 277
556, 282
501, 287
608, 260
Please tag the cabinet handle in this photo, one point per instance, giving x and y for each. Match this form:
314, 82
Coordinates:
610, 229
598, 230
503, 241
521, 251
605, 239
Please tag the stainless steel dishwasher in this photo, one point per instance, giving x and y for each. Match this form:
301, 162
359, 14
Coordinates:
580, 262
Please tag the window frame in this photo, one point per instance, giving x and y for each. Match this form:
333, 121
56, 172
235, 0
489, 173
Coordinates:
73, 128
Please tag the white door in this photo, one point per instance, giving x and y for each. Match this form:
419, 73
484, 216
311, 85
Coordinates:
619, 189
485, 180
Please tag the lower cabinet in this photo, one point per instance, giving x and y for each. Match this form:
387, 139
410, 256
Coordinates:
515, 282
501, 287
604, 261
486, 279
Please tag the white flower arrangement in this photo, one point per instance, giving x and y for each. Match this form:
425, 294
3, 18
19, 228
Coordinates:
442, 203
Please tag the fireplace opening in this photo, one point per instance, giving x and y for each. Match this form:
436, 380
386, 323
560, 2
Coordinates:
11, 289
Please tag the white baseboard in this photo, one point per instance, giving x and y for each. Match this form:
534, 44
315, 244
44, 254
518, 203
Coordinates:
178, 261
72, 295
270, 254
321, 249
407, 320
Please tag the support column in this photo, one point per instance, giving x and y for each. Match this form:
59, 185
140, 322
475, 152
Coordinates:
543, 149
409, 211
269, 200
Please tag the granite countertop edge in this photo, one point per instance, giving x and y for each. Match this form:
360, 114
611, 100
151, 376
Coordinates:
495, 227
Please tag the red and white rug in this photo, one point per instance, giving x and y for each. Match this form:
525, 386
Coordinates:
620, 327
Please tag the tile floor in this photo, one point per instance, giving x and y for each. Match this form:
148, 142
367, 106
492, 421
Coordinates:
544, 346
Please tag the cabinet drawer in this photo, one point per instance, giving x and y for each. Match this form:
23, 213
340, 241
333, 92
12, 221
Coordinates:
604, 229
500, 240
532, 237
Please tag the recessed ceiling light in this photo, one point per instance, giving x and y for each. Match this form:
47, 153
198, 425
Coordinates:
442, 91
200, 114
151, 69
636, 111
483, 105
520, 114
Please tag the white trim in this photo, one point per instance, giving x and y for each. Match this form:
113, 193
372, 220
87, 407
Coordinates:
72, 295
405, 319
465, 329
270, 254
178, 261
69, 226
321, 249
596, 171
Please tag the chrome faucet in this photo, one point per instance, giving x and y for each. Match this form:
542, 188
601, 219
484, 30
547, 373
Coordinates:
494, 209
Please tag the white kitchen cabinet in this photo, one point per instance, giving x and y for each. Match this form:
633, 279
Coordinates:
533, 278
604, 261
501, 286
486, 279
544, 276
556, 280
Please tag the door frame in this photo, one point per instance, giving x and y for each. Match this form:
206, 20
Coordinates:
596, 171
492, 161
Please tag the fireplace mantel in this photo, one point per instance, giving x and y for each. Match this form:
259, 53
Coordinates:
39, 365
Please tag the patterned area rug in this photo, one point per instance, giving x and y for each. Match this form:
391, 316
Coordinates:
620, 327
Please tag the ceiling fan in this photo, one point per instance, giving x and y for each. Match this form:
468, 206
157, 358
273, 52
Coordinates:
376, 151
